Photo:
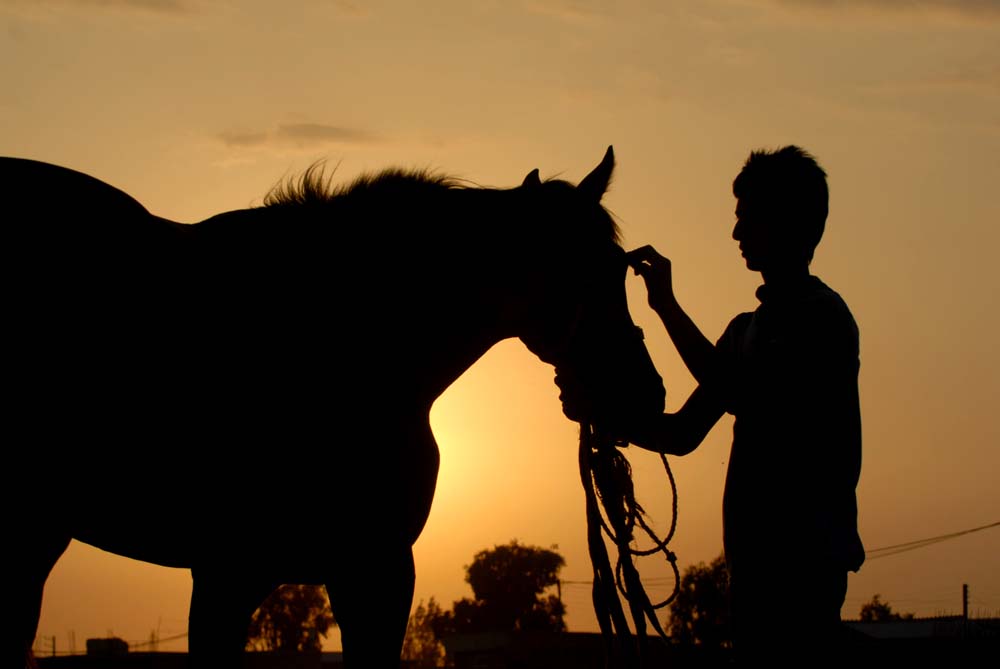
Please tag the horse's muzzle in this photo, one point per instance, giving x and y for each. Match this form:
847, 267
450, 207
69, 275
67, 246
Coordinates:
616, 404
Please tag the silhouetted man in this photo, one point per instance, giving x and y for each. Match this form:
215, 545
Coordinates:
788, 372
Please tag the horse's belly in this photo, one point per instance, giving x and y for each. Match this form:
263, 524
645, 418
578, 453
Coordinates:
293, 519
284, 506
202, 526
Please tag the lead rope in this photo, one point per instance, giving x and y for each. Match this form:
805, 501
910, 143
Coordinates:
607, 483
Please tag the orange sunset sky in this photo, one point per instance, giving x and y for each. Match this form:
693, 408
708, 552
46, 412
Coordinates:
196, 107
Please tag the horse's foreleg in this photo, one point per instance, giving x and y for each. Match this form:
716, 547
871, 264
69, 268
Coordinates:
222, 605
34, 551
371, 601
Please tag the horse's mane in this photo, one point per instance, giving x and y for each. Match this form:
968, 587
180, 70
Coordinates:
315, 187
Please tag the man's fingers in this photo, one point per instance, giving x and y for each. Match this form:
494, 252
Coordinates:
640, 259
640, 254
647, 262
643, 255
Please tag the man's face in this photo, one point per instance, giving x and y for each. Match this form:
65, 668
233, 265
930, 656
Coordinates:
756, 231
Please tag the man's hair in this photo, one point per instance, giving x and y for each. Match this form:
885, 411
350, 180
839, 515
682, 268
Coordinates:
790, 185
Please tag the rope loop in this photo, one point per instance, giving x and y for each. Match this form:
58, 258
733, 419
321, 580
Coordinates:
612, 511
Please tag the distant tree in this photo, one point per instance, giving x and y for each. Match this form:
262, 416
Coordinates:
877, 611
421, 647
699, 615
292, 618
508, 584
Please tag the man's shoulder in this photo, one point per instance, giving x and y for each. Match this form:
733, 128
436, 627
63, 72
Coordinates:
826, 303
736, 328
826, 320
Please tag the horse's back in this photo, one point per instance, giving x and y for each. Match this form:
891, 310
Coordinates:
88, 282
35, 176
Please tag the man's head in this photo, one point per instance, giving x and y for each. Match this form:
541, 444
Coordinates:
781, 207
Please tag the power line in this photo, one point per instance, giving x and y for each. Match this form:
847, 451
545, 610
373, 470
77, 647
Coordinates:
158, 640
886, 551
872, 554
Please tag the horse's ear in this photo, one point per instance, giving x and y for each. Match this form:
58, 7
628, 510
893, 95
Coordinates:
596, 183
532, 179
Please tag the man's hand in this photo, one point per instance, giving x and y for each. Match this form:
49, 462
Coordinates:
697, 352
655, 270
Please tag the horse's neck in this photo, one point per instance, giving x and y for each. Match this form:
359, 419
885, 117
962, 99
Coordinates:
444, 350
410, 317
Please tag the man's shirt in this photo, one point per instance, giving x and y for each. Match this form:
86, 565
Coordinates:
790, 378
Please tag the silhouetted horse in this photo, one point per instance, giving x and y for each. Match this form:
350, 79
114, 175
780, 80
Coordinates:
249, 396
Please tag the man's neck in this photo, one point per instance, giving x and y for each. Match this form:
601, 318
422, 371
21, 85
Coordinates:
778, 277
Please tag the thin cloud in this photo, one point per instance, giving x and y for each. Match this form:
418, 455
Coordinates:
969, 9
346, 8
350, 8
297, 135
320, 133
242, 140
567, 10
980, 81
150, 6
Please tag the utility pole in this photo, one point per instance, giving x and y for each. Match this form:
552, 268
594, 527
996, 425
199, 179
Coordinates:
965, 610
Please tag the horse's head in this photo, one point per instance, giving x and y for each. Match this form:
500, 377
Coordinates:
579, 319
